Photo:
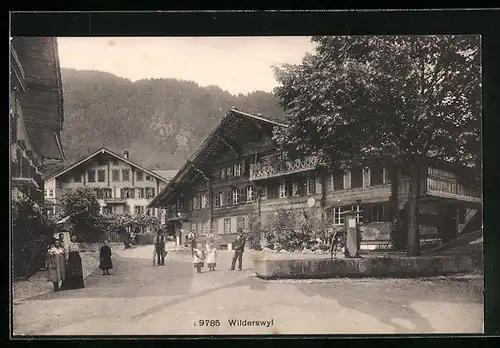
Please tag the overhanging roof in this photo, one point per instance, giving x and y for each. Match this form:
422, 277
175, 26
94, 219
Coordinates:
112, 154
205, 149
36, 63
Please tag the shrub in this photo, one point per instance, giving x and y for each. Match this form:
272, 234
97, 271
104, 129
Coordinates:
31, 234
294, 229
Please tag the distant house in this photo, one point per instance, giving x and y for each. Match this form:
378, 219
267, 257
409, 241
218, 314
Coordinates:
36, 113
121, 186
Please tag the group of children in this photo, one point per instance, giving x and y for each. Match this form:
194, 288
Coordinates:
209, 254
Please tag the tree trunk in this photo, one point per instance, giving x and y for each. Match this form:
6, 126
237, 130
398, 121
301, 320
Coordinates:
413, 211
397, 239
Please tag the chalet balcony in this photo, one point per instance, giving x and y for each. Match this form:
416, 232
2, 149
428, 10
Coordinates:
115, 200
451, 189
262, 171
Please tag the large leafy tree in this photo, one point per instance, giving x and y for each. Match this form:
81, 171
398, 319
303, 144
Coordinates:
396, 100
83, 208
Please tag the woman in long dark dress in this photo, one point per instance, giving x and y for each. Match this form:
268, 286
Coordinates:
105, 257
74, 278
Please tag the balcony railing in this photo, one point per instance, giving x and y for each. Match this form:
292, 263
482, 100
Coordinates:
115, 200
279, 168
450, 187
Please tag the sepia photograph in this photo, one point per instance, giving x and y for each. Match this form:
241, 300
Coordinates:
246, 185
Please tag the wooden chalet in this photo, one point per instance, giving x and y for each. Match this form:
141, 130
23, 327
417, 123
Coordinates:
36, 113
237, 178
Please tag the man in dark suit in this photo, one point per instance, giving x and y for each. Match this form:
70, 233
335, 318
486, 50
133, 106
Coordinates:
239, 248
160, 247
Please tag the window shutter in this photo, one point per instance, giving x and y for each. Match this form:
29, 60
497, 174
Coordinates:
229, 197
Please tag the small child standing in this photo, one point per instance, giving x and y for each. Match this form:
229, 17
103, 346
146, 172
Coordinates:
211, 255
198, 258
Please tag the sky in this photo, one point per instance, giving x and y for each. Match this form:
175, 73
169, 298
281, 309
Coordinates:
235, 64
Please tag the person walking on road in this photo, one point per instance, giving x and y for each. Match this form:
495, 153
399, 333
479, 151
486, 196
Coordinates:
55, 264
105, 258
74, 277
239, 248
160, 248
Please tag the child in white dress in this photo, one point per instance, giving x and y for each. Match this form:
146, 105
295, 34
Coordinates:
211, 255
198, 258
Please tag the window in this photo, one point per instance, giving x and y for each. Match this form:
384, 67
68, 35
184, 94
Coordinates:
237, 169
376, 176
229, 172
204, 201
223, 173
309, 186
51, 193
359, 212
338, 219
150, 192
108, 193
78, 177
347, 180
139, 176
125, 174
263, 192
236, 196
357, 177
229, 198
91, 175
127, 193
227, 225
318, 187
149, 178
250, 194
141, 193
378, 212
115, 175
338, 180
295, 188
218, 199
282, 189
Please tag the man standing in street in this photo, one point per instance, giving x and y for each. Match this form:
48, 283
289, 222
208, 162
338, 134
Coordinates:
239, 248
160, 248
192, 241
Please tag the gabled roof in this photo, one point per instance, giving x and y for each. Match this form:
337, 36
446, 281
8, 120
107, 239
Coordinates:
166, 173
111, 153
198, 154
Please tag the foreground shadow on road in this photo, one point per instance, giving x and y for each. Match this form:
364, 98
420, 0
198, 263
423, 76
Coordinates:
389, 302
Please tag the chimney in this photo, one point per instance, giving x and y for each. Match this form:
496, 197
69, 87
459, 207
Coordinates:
125, 154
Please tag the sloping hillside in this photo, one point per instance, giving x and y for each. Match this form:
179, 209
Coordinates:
159, 121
